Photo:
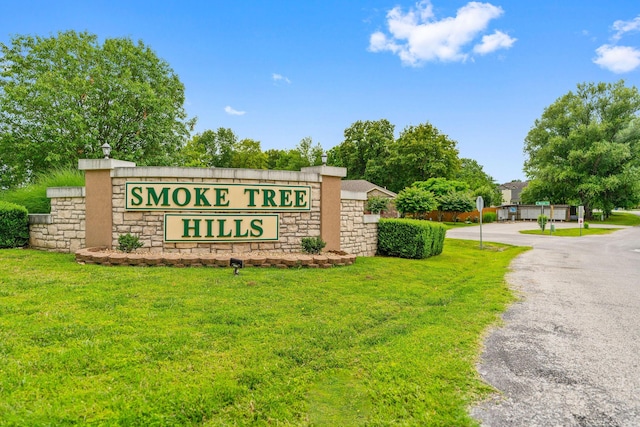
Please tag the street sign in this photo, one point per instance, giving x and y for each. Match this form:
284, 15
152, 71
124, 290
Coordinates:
545, 203
480, 206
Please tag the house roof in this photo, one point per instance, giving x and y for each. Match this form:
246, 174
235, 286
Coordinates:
363, 186
514, 185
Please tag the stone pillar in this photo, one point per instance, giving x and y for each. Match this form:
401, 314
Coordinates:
99, 203
330, 202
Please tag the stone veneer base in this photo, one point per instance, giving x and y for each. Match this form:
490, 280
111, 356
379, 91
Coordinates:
148, 259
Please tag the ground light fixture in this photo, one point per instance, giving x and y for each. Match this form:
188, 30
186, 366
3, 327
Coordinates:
106, 150
237, 264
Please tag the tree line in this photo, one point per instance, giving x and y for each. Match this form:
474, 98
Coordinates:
62, 97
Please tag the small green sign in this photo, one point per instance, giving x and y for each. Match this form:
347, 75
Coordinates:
545, 203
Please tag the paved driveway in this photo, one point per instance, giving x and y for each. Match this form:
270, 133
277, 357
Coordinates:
568, 353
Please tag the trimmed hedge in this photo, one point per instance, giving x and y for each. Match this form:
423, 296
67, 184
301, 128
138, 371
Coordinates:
14, 225
410, 238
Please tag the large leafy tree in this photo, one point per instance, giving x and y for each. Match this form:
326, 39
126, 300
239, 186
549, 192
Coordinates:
421, 152
210, 149
249, 155
416, 201
303, 155
450, 195
585, 148
480, 183
64, 96
364, 150
457, 202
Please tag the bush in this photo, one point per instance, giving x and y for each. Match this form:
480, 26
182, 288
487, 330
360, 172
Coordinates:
415, 201
14, 225
586, 226
34, 196
406, 238
129, 243
488, 217
542, 221
312, 245
377, 204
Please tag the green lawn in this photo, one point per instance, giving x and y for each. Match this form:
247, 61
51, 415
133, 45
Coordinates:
385, 341
619, 218
571, 232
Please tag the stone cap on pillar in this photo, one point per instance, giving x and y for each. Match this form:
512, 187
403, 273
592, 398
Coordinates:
325, 170
102, 164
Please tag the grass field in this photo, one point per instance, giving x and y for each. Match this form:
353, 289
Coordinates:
619, 218
385, 341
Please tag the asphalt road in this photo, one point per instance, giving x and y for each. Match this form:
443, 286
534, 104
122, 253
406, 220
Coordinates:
568, 352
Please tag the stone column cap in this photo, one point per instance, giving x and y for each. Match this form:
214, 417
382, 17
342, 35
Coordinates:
102, 164
326, 170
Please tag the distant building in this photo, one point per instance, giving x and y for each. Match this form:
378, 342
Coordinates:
511, 192
364, 186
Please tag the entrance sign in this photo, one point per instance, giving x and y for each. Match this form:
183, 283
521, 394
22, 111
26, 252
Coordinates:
210, 228
224, 226
171, 196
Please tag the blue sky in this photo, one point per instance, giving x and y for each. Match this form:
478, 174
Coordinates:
279, 71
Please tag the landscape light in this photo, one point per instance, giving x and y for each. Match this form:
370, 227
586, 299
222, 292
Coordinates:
106, 150
236, 263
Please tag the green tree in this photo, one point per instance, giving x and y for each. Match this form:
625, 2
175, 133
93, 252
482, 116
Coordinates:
312, 154
585, 148
480, 183
442, 188
364, 150
303, 155
456, 202
210, 149
421, 152
63, 97
249, 155
490, 194
416, 201
537, 190
278, 159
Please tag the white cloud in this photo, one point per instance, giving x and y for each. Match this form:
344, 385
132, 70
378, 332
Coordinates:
280, 78
493, 42
233, 112
618, 59
623, 27
417, 37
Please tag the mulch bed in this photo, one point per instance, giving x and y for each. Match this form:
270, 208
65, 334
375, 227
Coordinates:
106, 257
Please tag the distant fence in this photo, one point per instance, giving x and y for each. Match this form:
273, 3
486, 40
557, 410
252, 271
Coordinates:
473, 216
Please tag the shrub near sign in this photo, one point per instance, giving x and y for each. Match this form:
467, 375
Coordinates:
207, 227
